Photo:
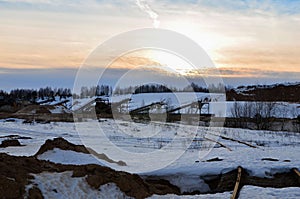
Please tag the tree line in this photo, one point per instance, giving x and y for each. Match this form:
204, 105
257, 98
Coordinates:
49, 93
157, 88
262, 115
34, 94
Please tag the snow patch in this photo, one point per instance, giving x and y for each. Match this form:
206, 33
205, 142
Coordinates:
63, 185
203, 196
69, 157
270, 193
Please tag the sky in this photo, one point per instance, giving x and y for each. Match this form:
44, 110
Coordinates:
44, 42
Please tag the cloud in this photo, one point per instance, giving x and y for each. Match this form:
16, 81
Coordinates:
233, 72
254, 34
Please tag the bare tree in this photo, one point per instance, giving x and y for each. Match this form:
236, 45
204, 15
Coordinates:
241, 111
263, 114
296, 120
260, 112
283, 112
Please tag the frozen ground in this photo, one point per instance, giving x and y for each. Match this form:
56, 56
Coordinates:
178, 153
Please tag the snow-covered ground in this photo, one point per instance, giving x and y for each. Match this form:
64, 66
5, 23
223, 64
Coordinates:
247, 192
176, 152
269, 193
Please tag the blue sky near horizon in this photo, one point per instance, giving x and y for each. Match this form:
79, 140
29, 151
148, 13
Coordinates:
251, 41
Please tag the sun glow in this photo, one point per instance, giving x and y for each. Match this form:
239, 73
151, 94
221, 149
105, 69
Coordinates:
211, 41
169, 61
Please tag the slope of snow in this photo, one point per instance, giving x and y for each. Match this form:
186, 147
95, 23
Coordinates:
69, 157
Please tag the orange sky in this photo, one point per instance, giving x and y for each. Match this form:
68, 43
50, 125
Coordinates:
236, 41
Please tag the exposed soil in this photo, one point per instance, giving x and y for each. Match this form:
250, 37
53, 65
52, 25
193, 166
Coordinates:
65, 145
280, 92
7, 143
61, 144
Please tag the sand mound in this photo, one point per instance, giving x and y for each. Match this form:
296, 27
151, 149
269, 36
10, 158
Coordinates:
65, 145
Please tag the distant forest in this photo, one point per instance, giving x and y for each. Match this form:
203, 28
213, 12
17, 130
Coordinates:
33, 95
105, 90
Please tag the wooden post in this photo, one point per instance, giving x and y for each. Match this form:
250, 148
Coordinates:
237, 184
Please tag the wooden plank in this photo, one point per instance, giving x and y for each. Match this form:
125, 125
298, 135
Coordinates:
241, 142
222, 145
234, 140
237, 184
297, 172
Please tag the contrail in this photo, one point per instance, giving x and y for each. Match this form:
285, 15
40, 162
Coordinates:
143, 5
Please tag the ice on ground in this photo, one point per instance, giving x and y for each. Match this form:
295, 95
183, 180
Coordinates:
254, 192
63, 185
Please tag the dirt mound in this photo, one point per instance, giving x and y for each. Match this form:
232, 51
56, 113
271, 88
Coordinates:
277, 92
65, 145
43, 109
7, 143
61, 144
30, 109
15, 174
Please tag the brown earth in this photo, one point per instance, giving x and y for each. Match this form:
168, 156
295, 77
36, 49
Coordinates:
15, 174
65, 145
280, 92
7, 143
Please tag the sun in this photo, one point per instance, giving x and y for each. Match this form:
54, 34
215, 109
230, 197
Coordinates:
169, 61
